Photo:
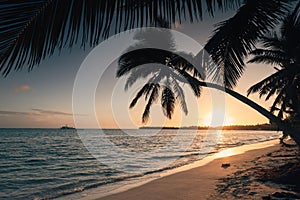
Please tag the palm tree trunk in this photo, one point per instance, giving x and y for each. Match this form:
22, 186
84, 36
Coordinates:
282, 125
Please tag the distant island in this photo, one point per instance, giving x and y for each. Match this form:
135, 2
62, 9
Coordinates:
268, 127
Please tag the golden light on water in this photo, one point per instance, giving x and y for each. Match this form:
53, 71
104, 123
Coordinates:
225, 153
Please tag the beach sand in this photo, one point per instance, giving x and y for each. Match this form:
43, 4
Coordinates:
243, 179
264, 173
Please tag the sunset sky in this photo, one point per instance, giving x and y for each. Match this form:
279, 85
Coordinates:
42, 98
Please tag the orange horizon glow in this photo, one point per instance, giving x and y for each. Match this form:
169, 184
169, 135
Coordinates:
223, 119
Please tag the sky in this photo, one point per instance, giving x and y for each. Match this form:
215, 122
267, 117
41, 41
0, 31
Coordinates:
43, 97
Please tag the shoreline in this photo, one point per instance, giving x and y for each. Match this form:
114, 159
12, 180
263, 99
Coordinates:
115, 191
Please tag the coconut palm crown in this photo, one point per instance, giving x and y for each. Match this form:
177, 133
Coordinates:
281, 49
162, 66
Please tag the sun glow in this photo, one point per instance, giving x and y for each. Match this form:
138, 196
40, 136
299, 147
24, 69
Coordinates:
218, 118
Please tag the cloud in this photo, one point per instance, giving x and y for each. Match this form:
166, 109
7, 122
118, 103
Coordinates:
34, 118
35, 112
22, 88
38, 112
51, 112
2, 112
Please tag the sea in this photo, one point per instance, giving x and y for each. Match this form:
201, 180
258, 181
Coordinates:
53, 163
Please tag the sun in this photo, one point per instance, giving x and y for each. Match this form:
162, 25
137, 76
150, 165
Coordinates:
218, 118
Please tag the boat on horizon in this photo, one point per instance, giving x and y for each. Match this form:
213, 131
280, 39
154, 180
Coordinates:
66, 127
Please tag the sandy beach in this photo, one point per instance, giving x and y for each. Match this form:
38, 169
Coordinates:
212, 181
271, 172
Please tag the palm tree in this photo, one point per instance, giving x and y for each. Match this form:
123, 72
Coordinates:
282, 50
162, 82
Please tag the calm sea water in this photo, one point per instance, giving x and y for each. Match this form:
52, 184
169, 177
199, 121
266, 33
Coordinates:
50, 163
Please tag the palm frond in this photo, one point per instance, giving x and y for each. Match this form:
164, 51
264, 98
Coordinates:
168, 102
235, 37
283, 105
136, 58
141, 72
268, 52
141, 92
178, 91
188, 63
267, 59
291, 21
269, 56
153, 97
264, 84
277, 101
271, 93
272, 40
34, 29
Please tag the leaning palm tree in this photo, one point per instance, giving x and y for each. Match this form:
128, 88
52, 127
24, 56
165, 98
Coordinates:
180, 69
184, 76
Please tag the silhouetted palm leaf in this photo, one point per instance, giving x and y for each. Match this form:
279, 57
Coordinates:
144, 72
143, 91
235, 37
268, 56
130, 60
154, 95
168, 102
33, 29
178, 91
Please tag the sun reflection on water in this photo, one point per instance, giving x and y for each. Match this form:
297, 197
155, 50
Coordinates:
225, 153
